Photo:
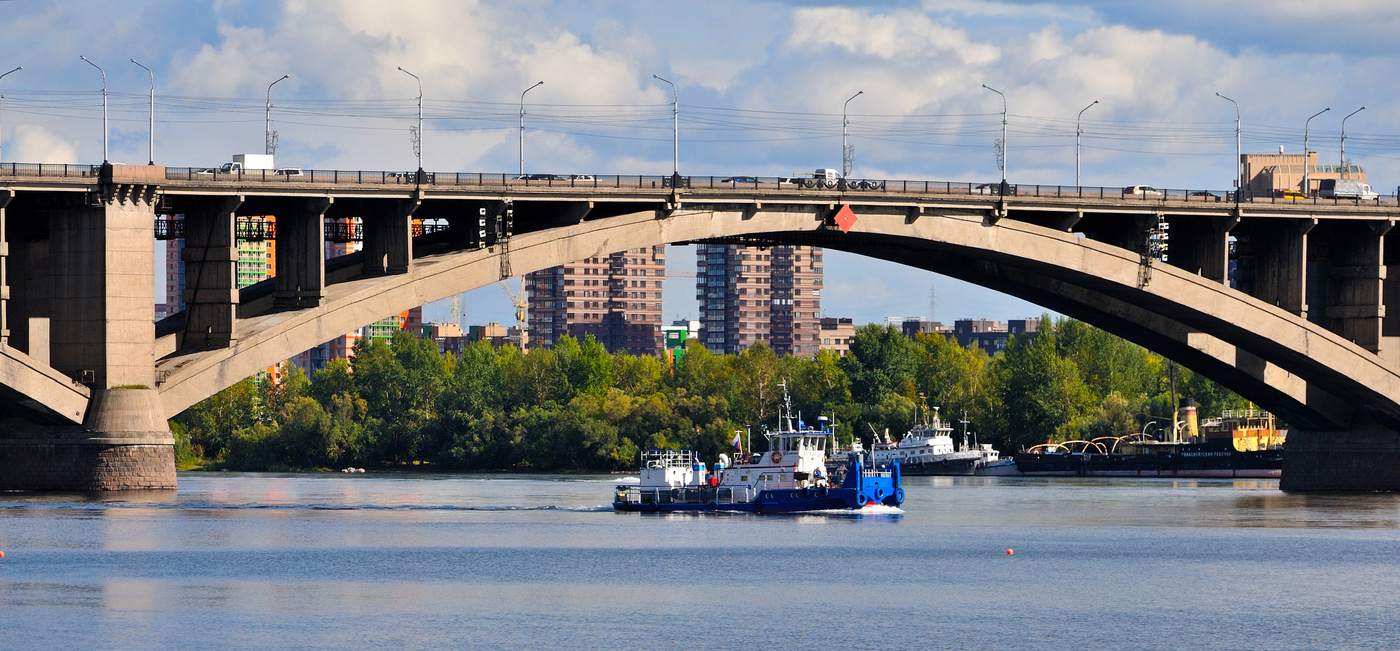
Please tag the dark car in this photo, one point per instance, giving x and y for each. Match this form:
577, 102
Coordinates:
1203, 195
739, 179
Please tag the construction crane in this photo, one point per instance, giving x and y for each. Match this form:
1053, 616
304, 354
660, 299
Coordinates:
670, 273
518, 300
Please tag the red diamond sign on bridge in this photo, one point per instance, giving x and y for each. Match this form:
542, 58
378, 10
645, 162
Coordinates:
845, 218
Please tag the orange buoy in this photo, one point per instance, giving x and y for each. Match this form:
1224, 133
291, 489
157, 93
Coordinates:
2, 554
1009, 552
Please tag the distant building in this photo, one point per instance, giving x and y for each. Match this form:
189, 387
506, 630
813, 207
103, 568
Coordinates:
750, 294
679, 332
911, 327
991, 336
616, 298
1269, 175
836, 334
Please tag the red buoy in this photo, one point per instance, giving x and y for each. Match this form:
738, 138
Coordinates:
2, 554
1009, 552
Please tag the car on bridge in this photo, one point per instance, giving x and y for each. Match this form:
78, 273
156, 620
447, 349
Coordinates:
994, 188
1203, 195
1142, 191
288, 171
739, 179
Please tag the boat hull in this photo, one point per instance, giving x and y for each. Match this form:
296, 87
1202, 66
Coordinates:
1264, 464
941, 467
771, 501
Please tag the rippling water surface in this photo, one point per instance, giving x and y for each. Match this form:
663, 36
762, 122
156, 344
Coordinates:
267, 560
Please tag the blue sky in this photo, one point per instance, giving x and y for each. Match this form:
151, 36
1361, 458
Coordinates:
761, 88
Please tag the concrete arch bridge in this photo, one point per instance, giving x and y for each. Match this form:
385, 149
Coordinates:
86, 381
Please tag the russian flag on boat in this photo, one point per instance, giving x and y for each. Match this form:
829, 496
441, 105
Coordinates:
735, 442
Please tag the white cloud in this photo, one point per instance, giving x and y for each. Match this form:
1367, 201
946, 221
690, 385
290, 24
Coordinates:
35, 144
897, 35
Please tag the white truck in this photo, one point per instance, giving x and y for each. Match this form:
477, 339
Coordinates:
1345, 189
247, 163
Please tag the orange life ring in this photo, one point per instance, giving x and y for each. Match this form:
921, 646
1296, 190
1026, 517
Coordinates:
777, 456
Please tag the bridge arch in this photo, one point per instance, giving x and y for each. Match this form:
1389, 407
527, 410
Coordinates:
1273, 357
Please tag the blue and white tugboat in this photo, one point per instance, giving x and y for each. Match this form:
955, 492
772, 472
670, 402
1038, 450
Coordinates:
790, 477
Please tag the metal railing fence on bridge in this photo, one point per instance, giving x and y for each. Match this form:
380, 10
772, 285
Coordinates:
487, 180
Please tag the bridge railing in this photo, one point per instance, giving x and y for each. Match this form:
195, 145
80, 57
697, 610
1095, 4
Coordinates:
293, 176
51, 170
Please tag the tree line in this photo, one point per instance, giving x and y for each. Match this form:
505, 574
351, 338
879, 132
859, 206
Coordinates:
576, 407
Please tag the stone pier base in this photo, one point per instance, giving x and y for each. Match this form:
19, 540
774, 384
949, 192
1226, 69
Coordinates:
1364, 459
77, 465
123, 444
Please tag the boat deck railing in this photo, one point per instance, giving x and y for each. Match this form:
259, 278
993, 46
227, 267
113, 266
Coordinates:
686, 495
669, 458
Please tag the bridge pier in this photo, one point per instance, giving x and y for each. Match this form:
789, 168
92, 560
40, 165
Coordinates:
87, 261
1364, 458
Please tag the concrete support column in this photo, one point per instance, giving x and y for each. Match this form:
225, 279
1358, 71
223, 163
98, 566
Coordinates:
1280, 249
1355, 277
301, 253
6, 196
210, 255
1202, 246
103, 300
388, 245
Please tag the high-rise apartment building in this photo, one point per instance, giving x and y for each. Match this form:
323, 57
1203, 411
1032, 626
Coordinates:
616, 298
750, 294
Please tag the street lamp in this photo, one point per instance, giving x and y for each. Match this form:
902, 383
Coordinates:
1307, 187
418, 137
2, 98
1003, 136
1079, 131
1239, 155
675, 128
153, 112
270, 140
1344, 140
845, 151
104, 106
522, 125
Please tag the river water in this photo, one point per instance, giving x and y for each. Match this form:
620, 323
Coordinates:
284, 560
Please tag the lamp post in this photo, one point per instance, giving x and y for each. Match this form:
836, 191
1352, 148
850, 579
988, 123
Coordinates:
1343, 160
1079, 131
1239, 155
1307, 187
675, 128
104, 106
522, 125
1003, 136
153, 112
845, 151
417, 139
270, 143
2, 99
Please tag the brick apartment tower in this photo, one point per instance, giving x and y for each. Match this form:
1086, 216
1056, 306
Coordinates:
615, 298
749, 294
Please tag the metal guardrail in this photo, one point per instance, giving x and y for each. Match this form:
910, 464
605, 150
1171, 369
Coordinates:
645, 182
49, 170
